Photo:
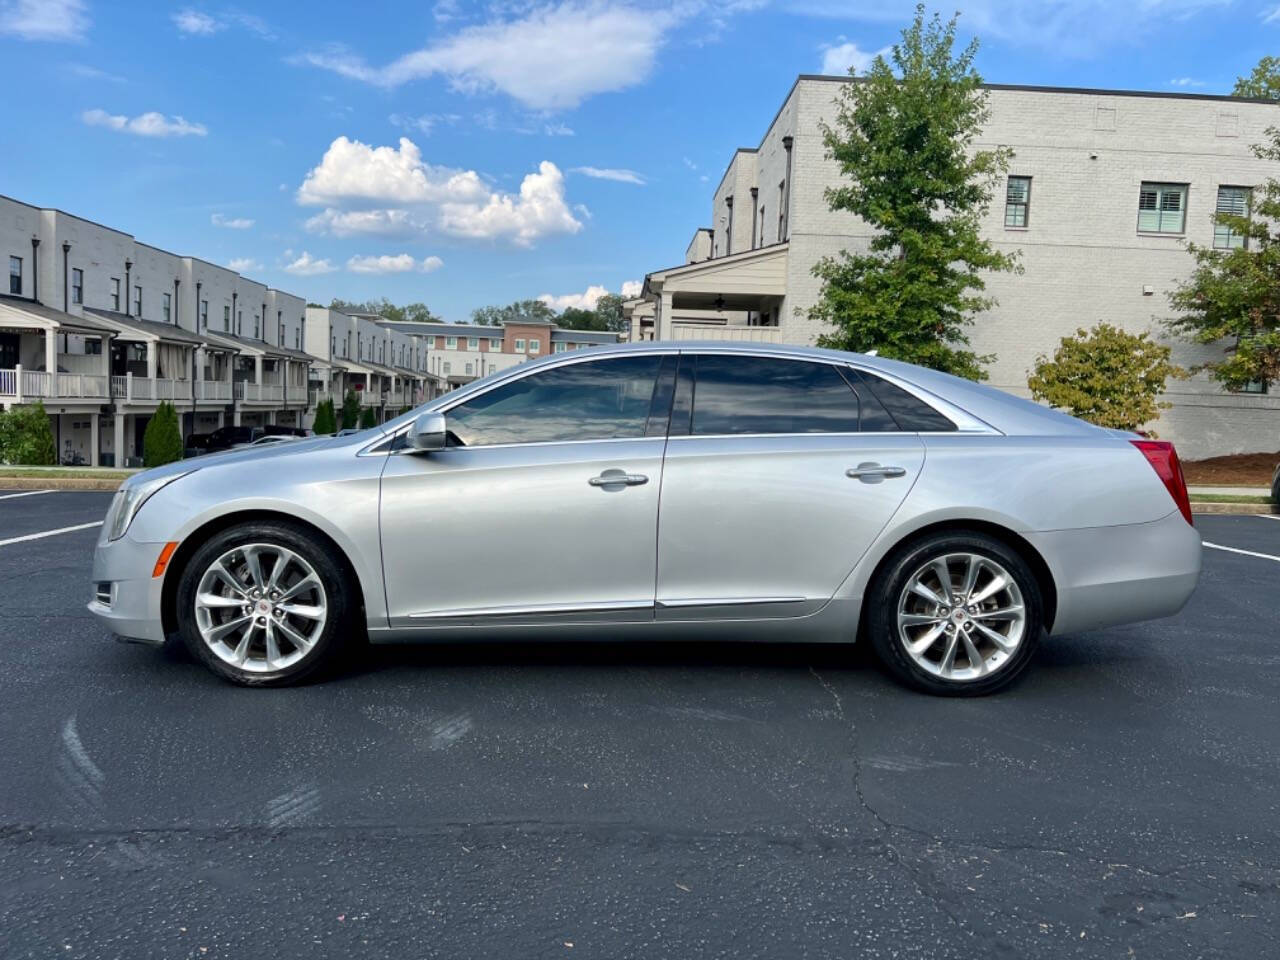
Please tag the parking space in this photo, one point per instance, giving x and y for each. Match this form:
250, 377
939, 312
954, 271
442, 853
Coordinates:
24, 512
639, 800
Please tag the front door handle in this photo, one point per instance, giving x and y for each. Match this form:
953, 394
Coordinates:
874, 472
618, 478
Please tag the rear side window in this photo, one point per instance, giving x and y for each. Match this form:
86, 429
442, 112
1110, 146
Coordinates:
740, 394
597, 400
907, 411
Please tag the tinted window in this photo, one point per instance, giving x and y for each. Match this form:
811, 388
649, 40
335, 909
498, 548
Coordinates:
909, 412
601, 400
736, 394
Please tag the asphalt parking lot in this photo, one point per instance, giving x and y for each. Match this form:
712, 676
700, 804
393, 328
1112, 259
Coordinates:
613, 801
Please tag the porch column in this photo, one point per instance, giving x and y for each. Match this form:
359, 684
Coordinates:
662, 325
222, 418
270, 417
235, 418
152, 349
118, 438
51, 360
93, 439
257, 370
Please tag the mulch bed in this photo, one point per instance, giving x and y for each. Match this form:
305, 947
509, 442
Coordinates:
1238, 470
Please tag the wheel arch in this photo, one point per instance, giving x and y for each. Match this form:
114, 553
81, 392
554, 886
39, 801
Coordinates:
1011, 538
210, 528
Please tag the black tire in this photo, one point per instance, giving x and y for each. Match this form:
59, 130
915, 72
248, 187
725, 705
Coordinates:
891, 580
340, 629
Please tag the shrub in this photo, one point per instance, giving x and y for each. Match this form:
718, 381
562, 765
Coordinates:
26, 436
350, 410
162, 441
326, 418
368, 418
1106, 376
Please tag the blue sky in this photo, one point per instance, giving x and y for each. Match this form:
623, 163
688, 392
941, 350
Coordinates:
463, 154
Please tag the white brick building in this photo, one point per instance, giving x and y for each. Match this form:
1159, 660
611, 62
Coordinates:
1114, 183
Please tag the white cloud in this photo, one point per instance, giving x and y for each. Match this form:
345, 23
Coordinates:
237, 223
59, 20
1271, 16
243, 264
837, 59
1186, 82
150, 124
588, 299
93, 73
611, 173
551, 58
391, 191
400, 263
197, 23
308, 266
558, 130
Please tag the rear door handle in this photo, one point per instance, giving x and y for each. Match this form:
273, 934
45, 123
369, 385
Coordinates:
874, 472
618, 478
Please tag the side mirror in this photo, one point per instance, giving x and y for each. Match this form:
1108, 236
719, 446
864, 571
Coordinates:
428, 432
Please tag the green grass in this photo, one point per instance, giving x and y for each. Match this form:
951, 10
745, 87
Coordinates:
40, 473
1226, 498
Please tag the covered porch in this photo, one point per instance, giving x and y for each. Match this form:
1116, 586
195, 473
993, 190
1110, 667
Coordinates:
741, 297
49, 355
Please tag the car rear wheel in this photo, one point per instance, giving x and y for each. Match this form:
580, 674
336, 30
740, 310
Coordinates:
263, 604
955, 614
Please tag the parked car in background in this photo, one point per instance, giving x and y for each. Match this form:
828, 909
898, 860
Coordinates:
678, 490
268, 440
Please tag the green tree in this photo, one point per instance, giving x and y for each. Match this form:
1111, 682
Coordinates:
1263, 83
513, 313
904, 141
350, 410
609, 310
575, 318
326, 421
162, 441
26, 436
368, 418
1233, 294
413, 312
1106, 376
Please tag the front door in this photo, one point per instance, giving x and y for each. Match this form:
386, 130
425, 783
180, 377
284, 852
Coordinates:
543, 508
774, 485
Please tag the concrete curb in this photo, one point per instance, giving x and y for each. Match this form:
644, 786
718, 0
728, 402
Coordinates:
1254, 509
57, 483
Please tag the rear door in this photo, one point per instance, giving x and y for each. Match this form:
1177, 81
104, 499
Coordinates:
778, 476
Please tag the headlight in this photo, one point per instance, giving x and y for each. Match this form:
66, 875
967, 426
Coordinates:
130, 500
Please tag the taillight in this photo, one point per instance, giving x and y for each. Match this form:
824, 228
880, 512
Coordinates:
1164, 461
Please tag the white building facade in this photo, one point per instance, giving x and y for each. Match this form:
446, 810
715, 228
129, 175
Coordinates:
1103, 191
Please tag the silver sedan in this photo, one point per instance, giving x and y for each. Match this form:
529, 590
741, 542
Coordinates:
677, 491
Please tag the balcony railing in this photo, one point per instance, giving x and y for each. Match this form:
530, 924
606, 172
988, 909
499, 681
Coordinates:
296, 394
733, 334
260, 392
216, 390
19, 384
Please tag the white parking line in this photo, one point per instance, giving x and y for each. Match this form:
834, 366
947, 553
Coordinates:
28, 493
1268, 516
1247, 553
50, 533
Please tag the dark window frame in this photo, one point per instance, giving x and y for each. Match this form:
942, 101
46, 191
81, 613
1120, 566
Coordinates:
1011, 205
15, 276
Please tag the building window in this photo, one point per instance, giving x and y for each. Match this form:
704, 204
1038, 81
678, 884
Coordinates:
468, 368
1234, 201
519, 346
451, 343
137, 302
280, 325
473, 343
77, 285
1162, 208
15, 276
239, 322
257, 331
782, 199
558, 347
166, 306
1017, 202
495, 344
535, 346
115, 294
226, 319
447, 367
1254, 386
204, 314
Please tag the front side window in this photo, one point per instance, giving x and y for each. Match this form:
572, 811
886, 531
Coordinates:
1162, 208
605, 400
166, 306
1233, 201
1017, 202
77, 286
737, 394
15, 276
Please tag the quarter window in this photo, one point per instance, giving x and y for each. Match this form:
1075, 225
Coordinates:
1162, 208
1233, 201
905, 411
15, 276
603, 400
737, 394
1017, 202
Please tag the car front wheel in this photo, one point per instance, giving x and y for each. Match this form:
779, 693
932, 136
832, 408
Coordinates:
955, 614
262, 604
